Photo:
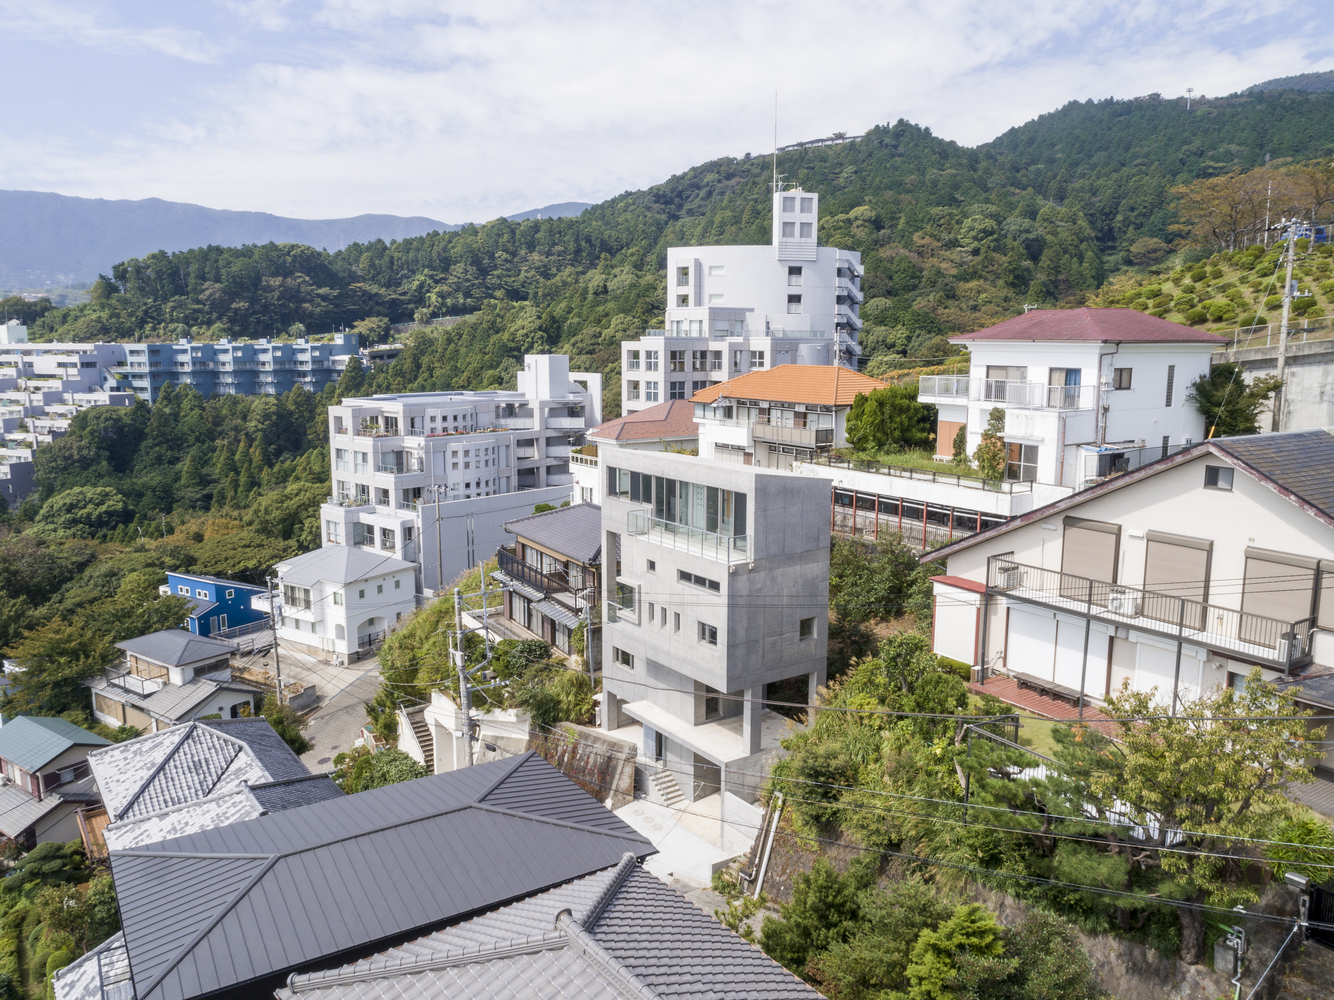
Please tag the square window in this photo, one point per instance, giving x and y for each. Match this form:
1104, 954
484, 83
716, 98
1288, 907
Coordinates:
806, 628
183, 590
807, 206
650, 392
708, 634
789, 204
398, 584
1217, 477
757, 359
201, 593
676, 390
231, 594
683, 301
789, 230
683, 276
361, 593
1121, 378
379, 588
807, 230
794, 274
794, 305
338, 597
652, 566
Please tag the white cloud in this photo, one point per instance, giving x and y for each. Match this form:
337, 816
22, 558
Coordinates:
82, 28
466, 111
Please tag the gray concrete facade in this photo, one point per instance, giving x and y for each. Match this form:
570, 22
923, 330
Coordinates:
676, 647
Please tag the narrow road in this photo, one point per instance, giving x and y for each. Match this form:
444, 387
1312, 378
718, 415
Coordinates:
335, 725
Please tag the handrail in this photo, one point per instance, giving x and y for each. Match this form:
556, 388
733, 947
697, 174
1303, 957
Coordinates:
908, 472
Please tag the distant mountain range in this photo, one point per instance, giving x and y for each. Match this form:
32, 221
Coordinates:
1313, 82
49, 240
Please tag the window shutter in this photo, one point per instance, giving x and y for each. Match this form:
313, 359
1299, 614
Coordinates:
1178, 566
1089, 549
1278, 585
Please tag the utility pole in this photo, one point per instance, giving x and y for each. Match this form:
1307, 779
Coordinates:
588, 645
273, 628
460, 661
1281, 398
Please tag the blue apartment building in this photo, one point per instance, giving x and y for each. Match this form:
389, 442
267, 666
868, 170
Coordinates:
261, 367
216, 604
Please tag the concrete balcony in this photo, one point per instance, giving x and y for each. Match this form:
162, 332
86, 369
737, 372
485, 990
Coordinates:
709, 544
1005, 392
565, 423
942, 389
803, 437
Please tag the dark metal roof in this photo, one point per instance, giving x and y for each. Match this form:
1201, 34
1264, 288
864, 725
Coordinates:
1301, 462
253, 900
268, 747
32, 741
176, 647
574, 532
623, 934
292, 793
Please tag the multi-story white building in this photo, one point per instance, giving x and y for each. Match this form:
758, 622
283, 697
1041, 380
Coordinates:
264, 367
63, 367
431, 477
731, 310
721, 588
1087, 393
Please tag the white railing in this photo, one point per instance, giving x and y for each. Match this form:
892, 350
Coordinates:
948, 386
1034, 395
710, 544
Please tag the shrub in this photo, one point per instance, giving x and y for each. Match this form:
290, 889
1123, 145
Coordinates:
1327, 288
958, 667
1183, 303
1215, 273
1221, 309
1161, 302
1273, 302
1196, 315
1303, 305
1140, 305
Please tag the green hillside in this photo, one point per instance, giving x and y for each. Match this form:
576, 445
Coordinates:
952, 238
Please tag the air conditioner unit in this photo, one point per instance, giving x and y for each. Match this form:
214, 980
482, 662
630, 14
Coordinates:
1282, 650
1010, 577
1122, 602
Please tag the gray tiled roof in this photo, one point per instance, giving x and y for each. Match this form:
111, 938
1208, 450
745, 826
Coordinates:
32, 741
187, 763
574, 532
340, 564
627, 935
19, 810
1301, 462
176, 647
292, 793
249, 902
197, 606
101, 974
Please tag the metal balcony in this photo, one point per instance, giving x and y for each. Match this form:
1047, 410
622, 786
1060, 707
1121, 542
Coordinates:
1279, 644
512, 565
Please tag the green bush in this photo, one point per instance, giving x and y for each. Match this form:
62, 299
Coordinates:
1327, 288
1273, 301
958, 667
58, 960
1221, 309
1140, 305
1161, 302
1303, 305
1183, 303
1196, 315
1215, 273
1198, 275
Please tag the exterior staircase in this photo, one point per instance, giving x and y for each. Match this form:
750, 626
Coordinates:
664, 790
417, 716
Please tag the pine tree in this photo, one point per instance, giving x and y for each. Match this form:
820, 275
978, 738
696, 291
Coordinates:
190, 476
990, 454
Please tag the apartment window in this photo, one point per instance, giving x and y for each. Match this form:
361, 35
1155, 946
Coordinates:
620, 656
231, 594
183, 590
708, 634
807, 206
682, 276
676, 390
650, 361
652, 566
333, 532
379, 588
362, 534
338, 598
789, 230
699, 361
341, 460
698, 581
650, 392
631, 392
807, 230
683, 301
716, 361
806, 628
711, 709
698, 387
1218, 477
1021, 462
363, 461
361, 593
736, 360
651, 613
1121, 378
676, 621
715, 270
794, 276
625, 596
1171, 380
789, 204
632, 361
676, 361
202, 594
794, 305
387, 539
757, 359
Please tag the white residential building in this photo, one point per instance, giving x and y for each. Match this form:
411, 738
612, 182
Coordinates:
1087, 393
734, 309
66, 367
1181, 576
431, 477
342, 599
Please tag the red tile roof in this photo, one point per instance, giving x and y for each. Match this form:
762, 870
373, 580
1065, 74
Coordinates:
828, 385
673, 419
1108, 326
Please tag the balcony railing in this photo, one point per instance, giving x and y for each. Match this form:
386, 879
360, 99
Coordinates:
589, 460
1011, 392
948, 386
710, 544
808, 437
930, 476
512, 565
120, 675
1280, 644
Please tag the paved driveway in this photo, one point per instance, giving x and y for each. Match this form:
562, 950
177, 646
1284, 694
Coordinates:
340, 715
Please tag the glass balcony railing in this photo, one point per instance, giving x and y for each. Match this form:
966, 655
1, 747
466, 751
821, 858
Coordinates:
710, 544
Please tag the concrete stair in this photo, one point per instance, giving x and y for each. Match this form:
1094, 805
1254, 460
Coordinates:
424, 738
664, 789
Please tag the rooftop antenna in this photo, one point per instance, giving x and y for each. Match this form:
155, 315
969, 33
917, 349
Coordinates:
1189, 91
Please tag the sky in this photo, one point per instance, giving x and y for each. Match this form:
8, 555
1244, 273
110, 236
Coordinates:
467, 111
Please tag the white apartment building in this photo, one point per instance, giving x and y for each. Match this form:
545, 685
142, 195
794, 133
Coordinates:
405, 463
343, 599
721, 588
1179, 577
1087, 393
63, 367
731, 310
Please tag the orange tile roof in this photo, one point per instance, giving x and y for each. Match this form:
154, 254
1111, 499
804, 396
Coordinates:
827, 385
